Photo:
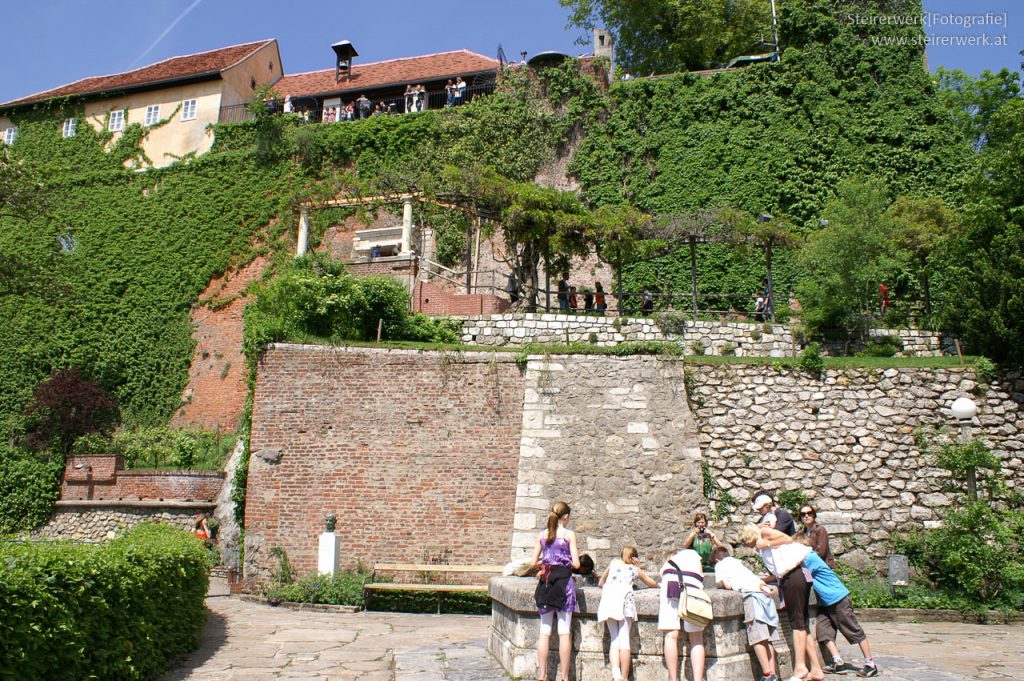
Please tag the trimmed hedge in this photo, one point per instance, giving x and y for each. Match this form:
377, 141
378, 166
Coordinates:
121, 610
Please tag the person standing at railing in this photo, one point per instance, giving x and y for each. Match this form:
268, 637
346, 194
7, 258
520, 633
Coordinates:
647, 303
563, 293
421, 98
460, 90
364, 106
449, 93
600, 302
410, 98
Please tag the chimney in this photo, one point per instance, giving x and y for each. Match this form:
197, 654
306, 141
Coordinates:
343, 67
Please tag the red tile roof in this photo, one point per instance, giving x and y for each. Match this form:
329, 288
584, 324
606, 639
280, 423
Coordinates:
191, 65
383, 73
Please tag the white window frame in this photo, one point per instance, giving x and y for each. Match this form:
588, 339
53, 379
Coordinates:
188, 109
152, 115
70, 127
10, 134
116, 122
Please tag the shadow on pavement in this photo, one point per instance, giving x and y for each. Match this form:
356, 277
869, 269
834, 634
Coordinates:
215, 632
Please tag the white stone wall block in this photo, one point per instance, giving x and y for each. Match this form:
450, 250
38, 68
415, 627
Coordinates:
637, 427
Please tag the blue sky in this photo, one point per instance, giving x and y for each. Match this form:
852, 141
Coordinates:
53, 42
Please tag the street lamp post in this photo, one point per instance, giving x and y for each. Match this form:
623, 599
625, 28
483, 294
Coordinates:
963, 410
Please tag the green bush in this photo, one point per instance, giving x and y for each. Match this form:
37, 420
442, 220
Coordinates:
341, 588
881, 346
811, 360
420, 327
28, 489
975, 555
162, 447
875, 593
792, 500
427, 601
115, 611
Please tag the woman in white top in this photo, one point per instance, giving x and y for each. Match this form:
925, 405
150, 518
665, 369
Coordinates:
679, 571
784, 560
618, 608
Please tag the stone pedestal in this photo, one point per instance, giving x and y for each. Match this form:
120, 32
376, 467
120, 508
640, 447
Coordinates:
327, 557
515, 627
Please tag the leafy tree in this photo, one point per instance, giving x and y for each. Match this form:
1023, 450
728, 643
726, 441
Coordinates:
984, 283
971, 102
662, 36
920, 226
66, 406
846, 259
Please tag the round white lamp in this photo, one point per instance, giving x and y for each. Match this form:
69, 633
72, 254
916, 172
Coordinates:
963, 408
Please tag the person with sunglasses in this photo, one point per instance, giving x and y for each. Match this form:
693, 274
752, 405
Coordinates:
817, 536
838, 615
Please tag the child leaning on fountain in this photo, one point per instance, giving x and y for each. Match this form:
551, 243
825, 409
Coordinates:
759, 613
618, 607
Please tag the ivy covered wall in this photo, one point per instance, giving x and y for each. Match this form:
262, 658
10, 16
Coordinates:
776, 137
103, 276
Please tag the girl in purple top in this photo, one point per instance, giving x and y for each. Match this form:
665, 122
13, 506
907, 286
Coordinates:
557, 557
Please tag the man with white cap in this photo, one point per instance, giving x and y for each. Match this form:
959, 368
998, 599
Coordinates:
773, 516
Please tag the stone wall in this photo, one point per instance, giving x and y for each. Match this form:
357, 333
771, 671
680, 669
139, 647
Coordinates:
614, 438
458, 456
847, 440
743, 339
92, 522
518, 329
913, 343
414, 452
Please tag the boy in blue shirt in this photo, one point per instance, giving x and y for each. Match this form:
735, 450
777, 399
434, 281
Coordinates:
835, 612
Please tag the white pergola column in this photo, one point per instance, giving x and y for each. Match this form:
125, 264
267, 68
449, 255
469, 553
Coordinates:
303, 232
407, 225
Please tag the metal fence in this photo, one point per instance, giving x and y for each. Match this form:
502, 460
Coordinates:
389, 105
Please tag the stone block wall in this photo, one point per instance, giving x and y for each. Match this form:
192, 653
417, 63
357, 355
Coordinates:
743, 339
94, 523
914, 343
847, 440
716, 338
614, 438
459, 456
414, 452
104, 478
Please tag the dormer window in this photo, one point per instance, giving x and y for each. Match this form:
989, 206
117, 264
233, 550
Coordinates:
70, 125
152, 114
116, 122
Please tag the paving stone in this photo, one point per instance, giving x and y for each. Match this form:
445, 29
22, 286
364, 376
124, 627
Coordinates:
254, 642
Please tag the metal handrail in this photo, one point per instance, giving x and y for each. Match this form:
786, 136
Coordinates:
436, 99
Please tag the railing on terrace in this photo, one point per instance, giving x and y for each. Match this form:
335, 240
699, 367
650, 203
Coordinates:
395, 104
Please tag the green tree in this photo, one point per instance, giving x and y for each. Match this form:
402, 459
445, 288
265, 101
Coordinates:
983, 301
662, 36
846, 259
920, 227
971, 102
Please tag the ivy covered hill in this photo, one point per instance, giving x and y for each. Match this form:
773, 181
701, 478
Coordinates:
101, 265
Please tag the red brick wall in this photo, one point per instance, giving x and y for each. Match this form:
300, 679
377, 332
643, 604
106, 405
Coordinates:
416, 453
104, 477
432, 299
216, 387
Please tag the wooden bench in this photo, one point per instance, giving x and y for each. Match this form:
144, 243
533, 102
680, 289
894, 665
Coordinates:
435, 568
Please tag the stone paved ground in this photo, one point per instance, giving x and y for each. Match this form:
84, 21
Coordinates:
253, 642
